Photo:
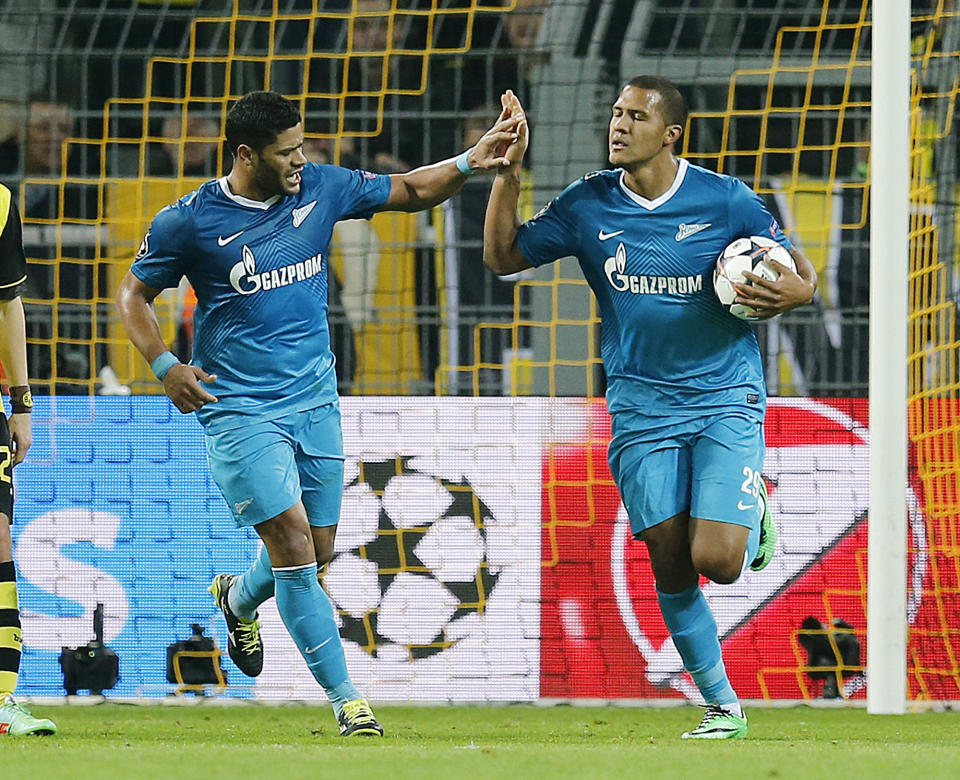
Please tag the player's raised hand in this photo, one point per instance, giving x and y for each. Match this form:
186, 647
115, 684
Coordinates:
488, 153
182, 385
498, 149
770, 298
515, 150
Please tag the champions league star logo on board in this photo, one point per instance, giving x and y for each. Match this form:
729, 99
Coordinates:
412, 568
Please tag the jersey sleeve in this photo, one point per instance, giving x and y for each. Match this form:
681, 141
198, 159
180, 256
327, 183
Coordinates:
749, 215
13, 262
551, 233
361, 193
162, 258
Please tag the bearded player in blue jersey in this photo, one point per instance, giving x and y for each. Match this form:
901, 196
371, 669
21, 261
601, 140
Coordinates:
685, 382
254, 245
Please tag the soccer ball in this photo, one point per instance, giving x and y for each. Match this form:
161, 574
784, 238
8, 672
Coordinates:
411, 575
746, 254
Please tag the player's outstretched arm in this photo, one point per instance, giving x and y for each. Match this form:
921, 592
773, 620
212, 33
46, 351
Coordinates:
180, 382
429, 185
789, 291
13, 358
501, 254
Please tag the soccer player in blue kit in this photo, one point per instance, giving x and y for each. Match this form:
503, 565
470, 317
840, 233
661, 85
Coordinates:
254, 245
685, 382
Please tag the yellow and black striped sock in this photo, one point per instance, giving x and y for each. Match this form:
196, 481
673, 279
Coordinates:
10, 639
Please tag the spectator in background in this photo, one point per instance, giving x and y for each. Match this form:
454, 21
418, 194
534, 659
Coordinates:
62, 274
27, 29
522, 24
36, 152
474, 293
121, 37
499, 57
199, 157
397, 149
35, 147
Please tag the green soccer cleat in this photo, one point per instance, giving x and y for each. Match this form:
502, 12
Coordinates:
246, 645
717, 723
357, 719
15, 719
768, 533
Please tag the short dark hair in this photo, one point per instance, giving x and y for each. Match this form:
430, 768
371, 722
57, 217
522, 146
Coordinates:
673, 106
257, 118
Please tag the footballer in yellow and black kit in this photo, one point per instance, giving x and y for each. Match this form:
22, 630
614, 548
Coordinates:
13, 275
15, 719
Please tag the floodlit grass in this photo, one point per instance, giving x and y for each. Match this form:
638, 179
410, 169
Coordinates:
209, 741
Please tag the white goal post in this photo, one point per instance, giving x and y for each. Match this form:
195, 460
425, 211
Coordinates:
889, 266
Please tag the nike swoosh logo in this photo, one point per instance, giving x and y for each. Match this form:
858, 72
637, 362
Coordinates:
741, 505
685, 231
241, 505
604, 236
300, 214
314, 649
221, 241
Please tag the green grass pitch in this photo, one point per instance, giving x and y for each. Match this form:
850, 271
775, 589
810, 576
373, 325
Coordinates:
517, 742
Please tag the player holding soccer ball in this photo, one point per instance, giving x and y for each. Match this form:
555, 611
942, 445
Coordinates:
685, 381
254, 245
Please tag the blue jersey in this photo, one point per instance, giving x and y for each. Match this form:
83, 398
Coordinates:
668, 347
260, 274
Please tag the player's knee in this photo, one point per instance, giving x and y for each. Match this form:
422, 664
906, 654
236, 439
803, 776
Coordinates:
288, 542
324, 554
323, 543
294, 549
719, 566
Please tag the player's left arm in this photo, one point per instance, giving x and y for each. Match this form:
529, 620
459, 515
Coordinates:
429, 185
13, 330
13, 357
790, 290
181, 382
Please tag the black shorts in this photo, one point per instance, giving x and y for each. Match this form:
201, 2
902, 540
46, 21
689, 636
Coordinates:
6, 469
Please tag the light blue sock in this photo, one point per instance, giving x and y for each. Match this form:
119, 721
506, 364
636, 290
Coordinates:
252, 588
308, 615
694, 632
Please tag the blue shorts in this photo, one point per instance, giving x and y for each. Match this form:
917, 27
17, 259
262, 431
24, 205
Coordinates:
266, 467
710, 467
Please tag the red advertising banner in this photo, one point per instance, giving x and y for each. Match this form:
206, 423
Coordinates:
602, 633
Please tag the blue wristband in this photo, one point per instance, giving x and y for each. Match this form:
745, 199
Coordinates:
163, 363
463, 163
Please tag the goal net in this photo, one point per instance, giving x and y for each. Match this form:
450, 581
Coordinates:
483, 552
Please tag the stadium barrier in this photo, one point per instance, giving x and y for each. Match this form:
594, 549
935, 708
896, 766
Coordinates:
482, 554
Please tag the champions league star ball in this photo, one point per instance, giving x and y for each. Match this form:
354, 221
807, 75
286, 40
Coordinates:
411, 576
747, 254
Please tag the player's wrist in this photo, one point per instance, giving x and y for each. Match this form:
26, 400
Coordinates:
511, 175
162, 363
463, 163
21, 399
